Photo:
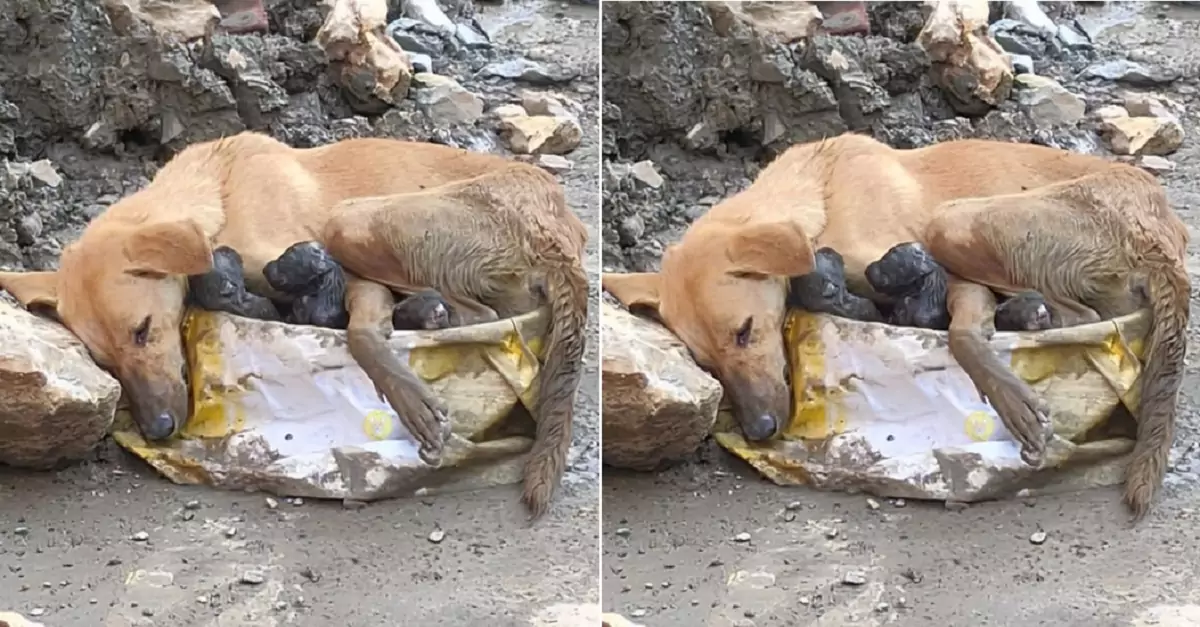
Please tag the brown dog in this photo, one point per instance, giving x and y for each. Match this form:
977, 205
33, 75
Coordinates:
493, 236
999, 216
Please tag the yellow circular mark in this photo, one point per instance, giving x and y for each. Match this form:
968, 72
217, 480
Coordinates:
980, 426
377, 424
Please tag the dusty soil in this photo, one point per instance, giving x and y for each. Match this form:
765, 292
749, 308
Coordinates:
670, 556
67, 539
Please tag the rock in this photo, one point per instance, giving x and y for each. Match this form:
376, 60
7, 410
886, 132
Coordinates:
658, 404
1073, 38
1142, 135
252, 577
555, 163
1038, 537
1029, 13
1132, 73
541, 134
1148, 105
968, 65
1156, 164
421, 63
140, 536
1018, 38
645, 172
242, 16
1022, 64
13, 619
436, 536
609, 619
55, 403
445, 101
187, 19
415, 36
428, 12
1109, 112
742, 537
471, 37
542, 103
854, 578
1049, 103
366, 61
44, 171
529, 71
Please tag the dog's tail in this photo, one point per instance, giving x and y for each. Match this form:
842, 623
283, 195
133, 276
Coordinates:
1169, 294
566, 290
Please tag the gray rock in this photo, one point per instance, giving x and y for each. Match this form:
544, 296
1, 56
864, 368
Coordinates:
1132, 73
1022, 64
529, 71
1049, 103
1018, 38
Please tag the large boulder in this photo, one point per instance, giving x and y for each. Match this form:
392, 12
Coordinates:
658, 404
55, 403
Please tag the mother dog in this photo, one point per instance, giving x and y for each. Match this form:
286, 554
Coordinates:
1002, 217
494, 236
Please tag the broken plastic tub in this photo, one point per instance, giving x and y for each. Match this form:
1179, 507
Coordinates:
284, 409
886, 410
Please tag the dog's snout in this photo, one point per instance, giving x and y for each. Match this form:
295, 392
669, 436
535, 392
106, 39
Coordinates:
159, 427
759, 428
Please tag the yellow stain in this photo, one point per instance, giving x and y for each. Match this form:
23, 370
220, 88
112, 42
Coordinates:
211, 405
377, 424
980, 426
817, 409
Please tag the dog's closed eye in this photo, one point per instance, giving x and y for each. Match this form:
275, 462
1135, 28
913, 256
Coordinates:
141, 334
743, 333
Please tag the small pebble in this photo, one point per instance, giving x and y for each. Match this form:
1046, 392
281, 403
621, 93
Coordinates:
280, 606
831, 534
1038, 537
742, 537
192, 505
230, 532
436, 536
805, 600
202, 600
21, 531
854, 578
624, 532
882, 607
789, 517
297, 502
872, 504
794, 505
93, 600
638, 613
140, 536
272, 503
37, 611
252, 577
899, 503
649, 586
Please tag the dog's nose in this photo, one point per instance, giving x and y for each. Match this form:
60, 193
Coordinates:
760, 428
159, 427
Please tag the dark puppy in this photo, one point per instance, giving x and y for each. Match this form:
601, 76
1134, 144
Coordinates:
308, 273
224, 289
908, 274
1026, 311
425, 310
824, 290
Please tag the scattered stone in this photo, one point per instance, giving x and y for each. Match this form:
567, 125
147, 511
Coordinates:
900, 503
1132, 73
742, 537
428, 12
140, 536
639, 613
1022, 64
1049, 103
659, 405
529, 71
1148, 105
541, 134
1038, 537
436, 536
297, 502
21, 531
624, 532
252, 577
854, 578
421, 63
37, 611
1016, 37
1156, 164
872, 504
192, 505
231, 532
369, 65
645, 172
471, 37
44, 171
272, 503
1142, 135
555, 163
445, 101
969, 67
202, 600
831, 534
55, 403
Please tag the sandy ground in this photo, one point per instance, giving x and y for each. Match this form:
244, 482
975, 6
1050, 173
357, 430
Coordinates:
670, 557
225, 559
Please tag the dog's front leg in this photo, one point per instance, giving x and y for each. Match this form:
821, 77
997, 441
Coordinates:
1025, 415
422, 413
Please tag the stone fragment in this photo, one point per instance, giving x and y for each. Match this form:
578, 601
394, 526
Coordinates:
1156, 164
1142, 135
1131, 73
967, 64
645, 172
555, 163
55, 403
530, 72
658, 404
445, 100
1049, 103
541, 134
366, 61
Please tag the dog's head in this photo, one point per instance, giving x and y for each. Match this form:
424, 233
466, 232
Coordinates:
122, 289
722, 290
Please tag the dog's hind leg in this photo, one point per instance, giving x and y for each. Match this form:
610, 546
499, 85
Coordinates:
422, 413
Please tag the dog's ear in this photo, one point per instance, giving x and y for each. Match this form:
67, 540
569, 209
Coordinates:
166, 248
35, 290
770, 249
634, 289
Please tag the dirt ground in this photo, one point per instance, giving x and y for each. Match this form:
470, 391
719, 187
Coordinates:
670, 557
211, 558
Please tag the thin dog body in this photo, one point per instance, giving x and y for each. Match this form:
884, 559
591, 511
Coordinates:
999, 217
121, 286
